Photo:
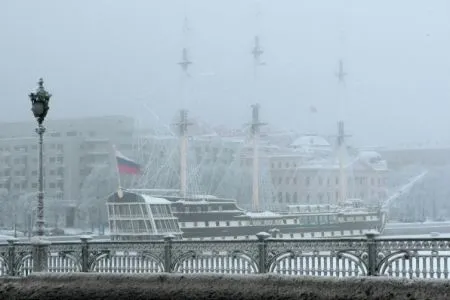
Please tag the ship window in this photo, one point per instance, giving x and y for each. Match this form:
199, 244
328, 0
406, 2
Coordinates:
199, 209
195, 224
292, 235
228, 223
295, 221
312, 234
217, 223
332, 233
235, 237
220, 207
323, 234
183, 224
284, 221
206, 223
240, 223
302, 235
345, 219
187, 209
247, 237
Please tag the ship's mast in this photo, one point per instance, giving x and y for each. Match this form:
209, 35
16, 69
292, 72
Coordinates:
183, 122
256, 124
182, 127
255, 132
341, 142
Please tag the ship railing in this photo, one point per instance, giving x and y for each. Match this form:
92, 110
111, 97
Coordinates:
367, 256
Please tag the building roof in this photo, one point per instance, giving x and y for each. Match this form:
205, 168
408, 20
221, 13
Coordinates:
153, 200
310, 140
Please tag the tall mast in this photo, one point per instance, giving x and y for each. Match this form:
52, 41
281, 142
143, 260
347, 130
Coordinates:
183, 123
255, 133
256, 124
257, 51
341, 142
182, 131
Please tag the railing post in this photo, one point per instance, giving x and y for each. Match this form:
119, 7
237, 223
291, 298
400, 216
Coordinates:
168, 253
11, 257
40, 254
85, 252
262, 251
372, 261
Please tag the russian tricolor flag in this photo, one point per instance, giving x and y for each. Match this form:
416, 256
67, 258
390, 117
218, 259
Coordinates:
126, 165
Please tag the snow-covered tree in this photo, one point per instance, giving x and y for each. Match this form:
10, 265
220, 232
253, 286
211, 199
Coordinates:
96, 187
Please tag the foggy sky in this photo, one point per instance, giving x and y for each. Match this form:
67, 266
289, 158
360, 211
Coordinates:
110, 57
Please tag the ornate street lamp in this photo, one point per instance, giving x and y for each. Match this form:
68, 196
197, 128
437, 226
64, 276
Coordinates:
39, 107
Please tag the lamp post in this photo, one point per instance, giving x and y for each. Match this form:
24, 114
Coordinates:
39, 107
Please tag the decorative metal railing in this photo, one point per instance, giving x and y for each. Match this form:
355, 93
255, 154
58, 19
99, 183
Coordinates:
369, 256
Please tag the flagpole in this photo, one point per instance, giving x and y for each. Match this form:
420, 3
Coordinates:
119, 189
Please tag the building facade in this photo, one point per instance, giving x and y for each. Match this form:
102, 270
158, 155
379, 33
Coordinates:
72, 149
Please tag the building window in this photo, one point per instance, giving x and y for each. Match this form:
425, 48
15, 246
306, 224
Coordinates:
320, 197
295, 180
320, 180
71, 133
287, 180
308, 198
307, 180
280, 197
288, 197
295, 197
